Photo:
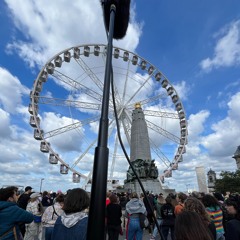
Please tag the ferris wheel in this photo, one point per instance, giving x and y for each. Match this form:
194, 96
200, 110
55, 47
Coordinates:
65, 105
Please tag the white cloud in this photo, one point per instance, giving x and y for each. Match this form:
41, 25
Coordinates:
225, 137
11, 91
50, 29
196, 124
227, 50
182, 89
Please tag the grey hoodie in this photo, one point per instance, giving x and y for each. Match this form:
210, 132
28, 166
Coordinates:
69, 220
135, 205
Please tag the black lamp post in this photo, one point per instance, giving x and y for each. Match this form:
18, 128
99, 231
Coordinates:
96, 221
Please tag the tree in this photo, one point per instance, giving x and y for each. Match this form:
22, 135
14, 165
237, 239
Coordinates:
228, 182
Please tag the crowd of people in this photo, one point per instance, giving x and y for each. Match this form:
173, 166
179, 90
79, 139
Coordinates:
59, 216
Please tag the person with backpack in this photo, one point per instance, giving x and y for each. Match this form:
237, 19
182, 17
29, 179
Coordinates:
50, 216
134, 208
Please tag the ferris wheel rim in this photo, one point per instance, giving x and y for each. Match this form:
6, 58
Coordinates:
179, 153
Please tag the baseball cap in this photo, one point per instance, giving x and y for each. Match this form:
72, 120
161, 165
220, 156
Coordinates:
28, 188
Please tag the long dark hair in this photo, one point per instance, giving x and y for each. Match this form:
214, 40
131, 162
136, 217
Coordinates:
76, 200
210, 201
189, 226
192, 204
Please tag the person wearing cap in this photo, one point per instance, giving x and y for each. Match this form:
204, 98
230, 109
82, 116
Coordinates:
11, 214
22, 203
233, 225
24, 198
34, 206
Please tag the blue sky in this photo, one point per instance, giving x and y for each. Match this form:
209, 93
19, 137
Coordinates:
195, 44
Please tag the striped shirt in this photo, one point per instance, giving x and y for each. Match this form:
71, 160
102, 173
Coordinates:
217, 217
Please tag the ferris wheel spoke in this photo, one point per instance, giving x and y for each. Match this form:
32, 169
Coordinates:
116, 93
127, 123
69, 127
74, 84
125, 84
117, 97
163, 132
159, 153
90, 73
68, 103
114, 156
84, 153
161, 114
138, 90
153, 99
111, 125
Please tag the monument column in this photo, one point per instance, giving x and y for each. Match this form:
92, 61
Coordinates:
140, 148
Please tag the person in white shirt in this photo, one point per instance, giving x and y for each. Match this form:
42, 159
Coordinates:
34, 229
50, 216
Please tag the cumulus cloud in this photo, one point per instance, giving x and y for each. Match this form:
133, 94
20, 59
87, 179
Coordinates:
227, 49
12, 91
225, 136
50, 29
196, 124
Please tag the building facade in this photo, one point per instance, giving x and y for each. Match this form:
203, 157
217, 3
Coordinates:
211, 180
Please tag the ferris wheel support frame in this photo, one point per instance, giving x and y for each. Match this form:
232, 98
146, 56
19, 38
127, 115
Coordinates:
96, 222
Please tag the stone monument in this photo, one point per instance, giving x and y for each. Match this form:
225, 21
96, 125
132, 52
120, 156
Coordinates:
140, 157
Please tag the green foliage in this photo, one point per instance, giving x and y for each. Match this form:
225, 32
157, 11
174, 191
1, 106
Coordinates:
228, 182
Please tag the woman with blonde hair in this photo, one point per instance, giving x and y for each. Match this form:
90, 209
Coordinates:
192, 204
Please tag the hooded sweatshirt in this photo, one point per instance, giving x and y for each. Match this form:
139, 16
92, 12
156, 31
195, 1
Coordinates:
71, 226
135, 206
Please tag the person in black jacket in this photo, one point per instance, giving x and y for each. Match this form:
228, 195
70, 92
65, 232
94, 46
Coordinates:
149, 209
22, 203
168, 216
113, 214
